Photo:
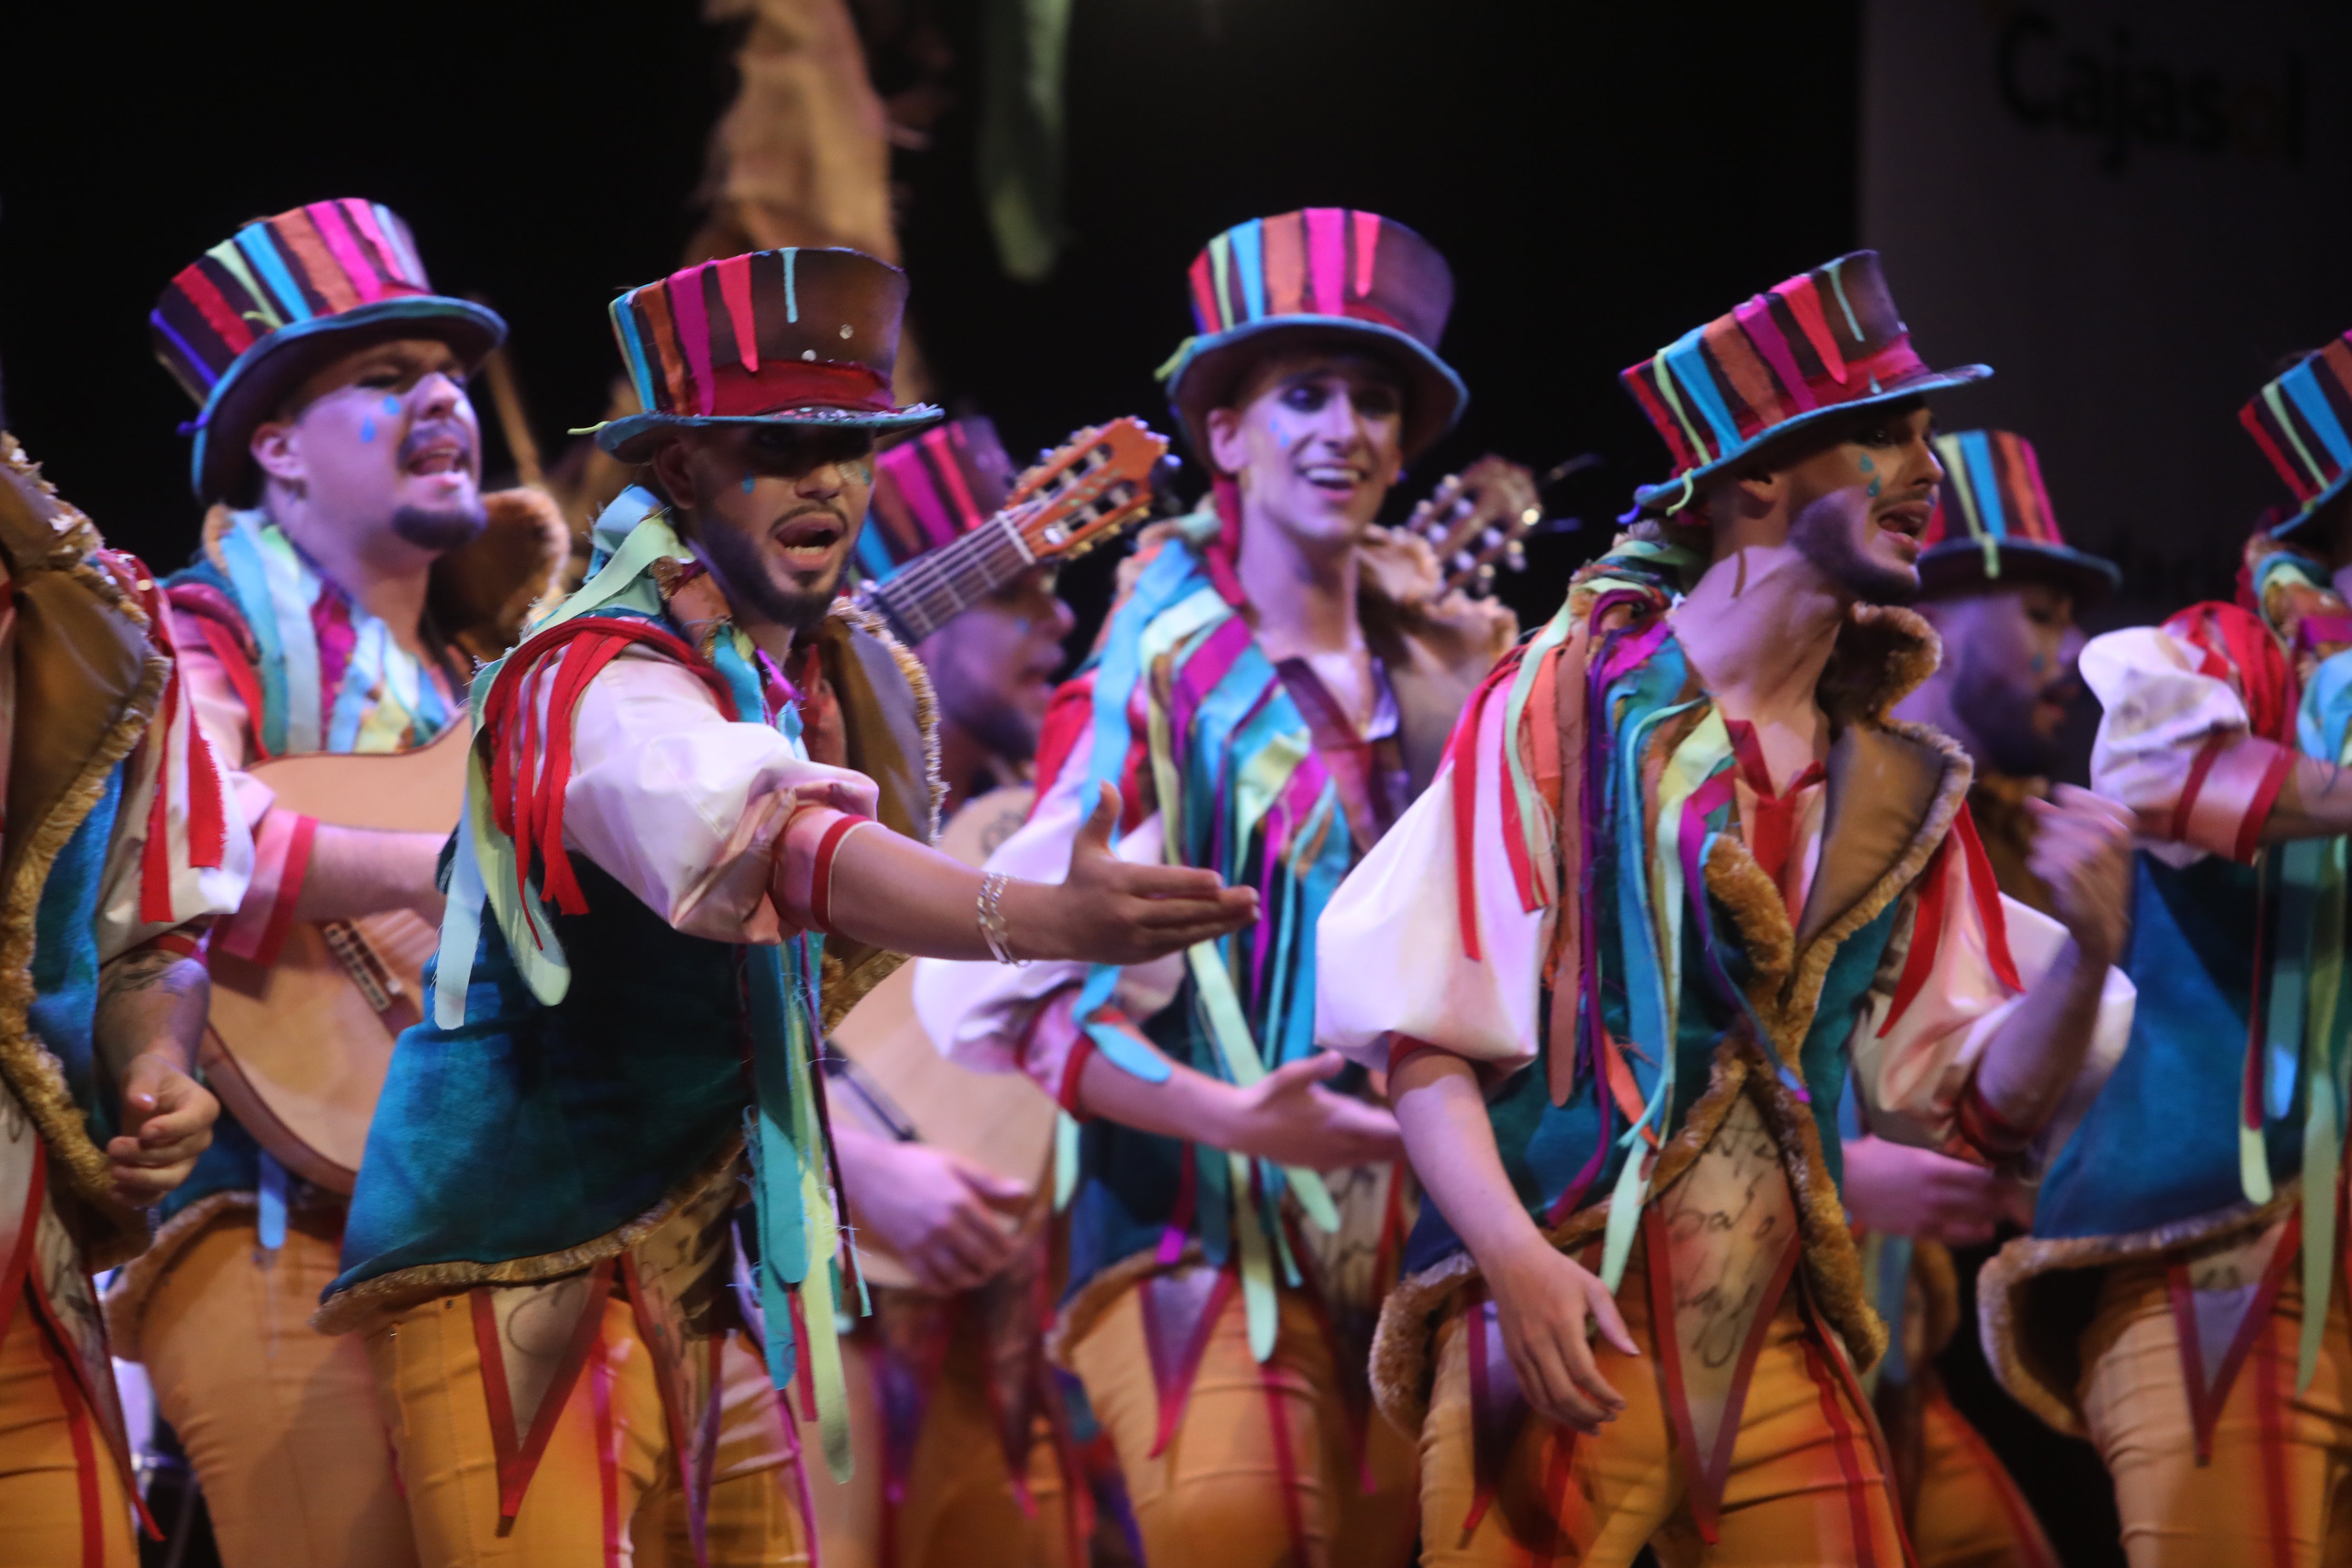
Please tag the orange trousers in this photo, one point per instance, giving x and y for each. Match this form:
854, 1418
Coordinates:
279, 1421
62, 1498
2277, 1490
1807, 1483
607, 1492
1969, 1513
960, 1508
1216, 1498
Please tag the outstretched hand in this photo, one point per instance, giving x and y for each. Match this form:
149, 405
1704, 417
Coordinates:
1109, 910
1289, 1118
944, 1217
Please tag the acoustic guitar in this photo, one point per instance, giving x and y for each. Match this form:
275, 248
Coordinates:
885, 1075
298, 1051
1080, 494
1479, 520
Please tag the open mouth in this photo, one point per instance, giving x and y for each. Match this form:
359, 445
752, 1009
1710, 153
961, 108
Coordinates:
436, 458
807, 542
1334, 479
1906, 521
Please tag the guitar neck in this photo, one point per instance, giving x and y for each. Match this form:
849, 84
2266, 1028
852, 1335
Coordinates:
940, 585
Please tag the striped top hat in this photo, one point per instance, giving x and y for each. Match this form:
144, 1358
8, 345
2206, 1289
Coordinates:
1331, 268
941, 485
1822, 342
246, 322
1992, 522
776, 337
2300, 421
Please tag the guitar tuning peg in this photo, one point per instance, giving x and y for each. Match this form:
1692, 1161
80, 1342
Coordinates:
1514, 556
1486, 576
1531, 516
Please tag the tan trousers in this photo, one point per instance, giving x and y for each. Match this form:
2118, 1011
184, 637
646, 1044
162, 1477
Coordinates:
606, 1493
278, 1420
62, 1500
1969, 1513
1216, 1498
2277, 1492
959, 1510
1807, 1483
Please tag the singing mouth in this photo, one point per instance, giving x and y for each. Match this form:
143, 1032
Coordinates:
1908, 519
807, 542
440, 457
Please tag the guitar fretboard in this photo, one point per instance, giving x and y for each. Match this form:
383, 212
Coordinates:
940, 585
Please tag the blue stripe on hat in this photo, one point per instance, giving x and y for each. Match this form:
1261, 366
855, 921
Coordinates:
395, 236
1689, 362
254, 241
1984, 481
1249, 257
791, 288
874, 552
2302, 383
625, 317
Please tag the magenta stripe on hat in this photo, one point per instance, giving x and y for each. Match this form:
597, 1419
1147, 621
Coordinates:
968, 512
1368, 250
1326, 260
693, 318
1755, 319
923, 499
345, 248
735, 293
362, 216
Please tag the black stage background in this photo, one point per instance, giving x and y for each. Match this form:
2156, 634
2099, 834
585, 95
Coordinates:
1602, 179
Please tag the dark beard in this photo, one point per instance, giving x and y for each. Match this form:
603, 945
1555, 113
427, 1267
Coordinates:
743, 575
1820, 535
442, 531
2002, 725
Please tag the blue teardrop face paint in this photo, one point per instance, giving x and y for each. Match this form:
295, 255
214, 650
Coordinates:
392, 405
746, 484
1868, 466
2040, 663
367, 429
1873, 491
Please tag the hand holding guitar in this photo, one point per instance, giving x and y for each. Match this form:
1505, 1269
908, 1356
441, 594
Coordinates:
945, 1217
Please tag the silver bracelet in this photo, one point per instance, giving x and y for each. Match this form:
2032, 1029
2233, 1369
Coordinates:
991, 918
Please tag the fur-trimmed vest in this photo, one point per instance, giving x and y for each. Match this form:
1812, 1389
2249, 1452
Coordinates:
2223, 1117
587, 1122
88, 680
1762, 1004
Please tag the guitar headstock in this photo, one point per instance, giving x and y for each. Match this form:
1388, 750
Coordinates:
1476, 521
1087, 490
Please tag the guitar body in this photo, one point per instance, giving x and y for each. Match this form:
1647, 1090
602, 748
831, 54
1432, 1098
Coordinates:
298, 1051
1001, 1121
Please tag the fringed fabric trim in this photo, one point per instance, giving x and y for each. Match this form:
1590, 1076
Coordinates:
2005, 1315
360, 1307
126, 1298
37, 1076
918, 683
